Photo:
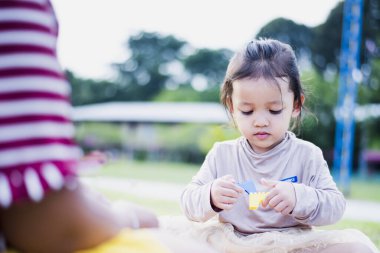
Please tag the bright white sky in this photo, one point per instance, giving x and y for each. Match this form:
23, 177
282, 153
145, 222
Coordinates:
93, 32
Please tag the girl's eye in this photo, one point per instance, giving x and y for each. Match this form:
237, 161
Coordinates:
275, 111
246, 112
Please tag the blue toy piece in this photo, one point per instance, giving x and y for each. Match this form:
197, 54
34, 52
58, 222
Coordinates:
248, 186
290, 179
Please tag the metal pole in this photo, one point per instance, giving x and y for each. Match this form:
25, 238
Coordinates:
350, 76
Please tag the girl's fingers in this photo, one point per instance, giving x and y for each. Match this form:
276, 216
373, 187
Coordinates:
231, 193
287, 210
269, 197
268, 183
228, 200
226, 206
230, 182
238, 189
273, 202
229, 178
225, 192
281, 206
230, 186
227, 203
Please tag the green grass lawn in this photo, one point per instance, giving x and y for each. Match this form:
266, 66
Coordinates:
371, 229
182, 173
365, 190
151, 171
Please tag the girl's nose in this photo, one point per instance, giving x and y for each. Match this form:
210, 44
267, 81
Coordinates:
260, 121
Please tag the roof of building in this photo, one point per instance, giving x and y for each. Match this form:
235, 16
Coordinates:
175, 112
152, 112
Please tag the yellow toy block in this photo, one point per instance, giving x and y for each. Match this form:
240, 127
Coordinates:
255, 199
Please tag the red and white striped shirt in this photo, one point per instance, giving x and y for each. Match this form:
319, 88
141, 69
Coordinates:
37, 151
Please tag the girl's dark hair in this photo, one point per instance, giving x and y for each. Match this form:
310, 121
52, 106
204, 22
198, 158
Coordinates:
264, 58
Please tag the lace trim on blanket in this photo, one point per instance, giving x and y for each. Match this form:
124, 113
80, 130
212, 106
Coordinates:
223, 237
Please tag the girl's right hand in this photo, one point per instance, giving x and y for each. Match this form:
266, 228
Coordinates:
225, 192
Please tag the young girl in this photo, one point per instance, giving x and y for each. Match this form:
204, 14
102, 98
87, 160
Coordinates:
43, 205
263, 94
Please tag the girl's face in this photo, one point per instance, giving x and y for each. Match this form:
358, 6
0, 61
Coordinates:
262, 112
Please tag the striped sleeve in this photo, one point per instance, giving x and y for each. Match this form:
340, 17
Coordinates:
37, 150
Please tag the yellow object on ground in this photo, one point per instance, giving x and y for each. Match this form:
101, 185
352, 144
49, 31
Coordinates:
127, 241
255, 199
130, 241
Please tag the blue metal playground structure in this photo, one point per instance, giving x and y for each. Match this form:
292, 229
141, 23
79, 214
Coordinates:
349, 78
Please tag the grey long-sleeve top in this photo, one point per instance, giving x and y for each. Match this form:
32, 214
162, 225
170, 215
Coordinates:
318, 200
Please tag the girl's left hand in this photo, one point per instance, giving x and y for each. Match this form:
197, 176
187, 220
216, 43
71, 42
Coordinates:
281, 197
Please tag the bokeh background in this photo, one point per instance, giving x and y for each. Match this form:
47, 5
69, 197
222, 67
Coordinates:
156, 60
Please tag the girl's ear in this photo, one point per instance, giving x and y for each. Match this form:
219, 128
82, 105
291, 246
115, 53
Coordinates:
297, 107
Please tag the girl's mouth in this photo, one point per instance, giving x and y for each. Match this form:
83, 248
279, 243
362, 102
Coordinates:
261, 135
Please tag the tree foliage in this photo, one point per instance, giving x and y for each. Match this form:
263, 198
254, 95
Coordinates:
210, 63
188, 94
287, 31
141, 75
324, 40
89, 91
164, 68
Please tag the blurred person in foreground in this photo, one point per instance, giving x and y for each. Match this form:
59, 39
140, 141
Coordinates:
43, 205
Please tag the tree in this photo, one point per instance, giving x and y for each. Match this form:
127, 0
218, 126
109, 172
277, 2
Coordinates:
327, 40
143, 74
298, 36
211, 64
188, 94
324, 41
319, 114
89, 91
327, 36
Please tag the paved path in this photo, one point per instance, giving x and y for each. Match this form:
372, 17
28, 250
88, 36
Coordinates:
362, 210
356, 209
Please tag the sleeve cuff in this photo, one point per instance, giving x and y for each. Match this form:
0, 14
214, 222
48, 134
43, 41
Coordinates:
210, 210
306, 201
